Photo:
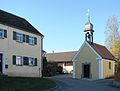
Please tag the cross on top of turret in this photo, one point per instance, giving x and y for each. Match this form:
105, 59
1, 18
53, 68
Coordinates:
89, 30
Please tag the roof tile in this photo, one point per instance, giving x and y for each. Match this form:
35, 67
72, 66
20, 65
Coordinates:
103, 51
61, 57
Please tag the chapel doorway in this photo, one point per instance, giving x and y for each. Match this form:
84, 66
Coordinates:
86, 70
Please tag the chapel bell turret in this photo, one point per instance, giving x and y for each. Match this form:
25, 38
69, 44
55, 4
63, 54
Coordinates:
89, 30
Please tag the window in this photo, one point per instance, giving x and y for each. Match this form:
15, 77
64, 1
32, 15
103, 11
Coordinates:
19, 37
17, 60
3, 33
20, 60
31, 40
31, 61
109, 65
24, 38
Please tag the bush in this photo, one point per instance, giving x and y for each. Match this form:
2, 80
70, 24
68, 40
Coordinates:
118, 67
60, 69
52, 68
117, 76
49, 69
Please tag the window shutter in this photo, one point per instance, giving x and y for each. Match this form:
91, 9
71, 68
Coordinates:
27, 38
35, 61
35, 40
25, 60
24, 37
14, 60
14, 35
5, 33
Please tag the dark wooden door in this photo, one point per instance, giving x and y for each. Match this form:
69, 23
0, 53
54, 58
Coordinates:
1, 63
86, 70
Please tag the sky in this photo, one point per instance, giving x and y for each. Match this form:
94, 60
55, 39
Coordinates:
62, 22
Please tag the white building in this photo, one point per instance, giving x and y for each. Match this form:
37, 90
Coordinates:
20, 47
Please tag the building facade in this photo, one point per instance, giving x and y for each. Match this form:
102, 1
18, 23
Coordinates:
20, 47
93, 60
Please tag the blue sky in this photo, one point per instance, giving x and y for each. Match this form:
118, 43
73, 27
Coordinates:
62, 21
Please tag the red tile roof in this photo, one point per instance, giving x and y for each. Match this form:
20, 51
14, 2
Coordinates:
103, 51
67, 56
61, 57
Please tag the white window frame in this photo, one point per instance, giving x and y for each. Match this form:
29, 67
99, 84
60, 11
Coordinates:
31, 40
1, 33
31, 61
19, 37
19, 60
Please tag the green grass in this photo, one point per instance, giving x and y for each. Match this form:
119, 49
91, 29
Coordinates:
25, 84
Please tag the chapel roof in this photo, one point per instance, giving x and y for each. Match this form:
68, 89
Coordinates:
103, 51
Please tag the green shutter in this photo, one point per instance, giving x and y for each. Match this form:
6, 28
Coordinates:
14, 35
24, 37
35, 61
5, 33
27, 38
35, 40
14, 60
25, 60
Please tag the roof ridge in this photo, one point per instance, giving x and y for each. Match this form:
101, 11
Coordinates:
62, 52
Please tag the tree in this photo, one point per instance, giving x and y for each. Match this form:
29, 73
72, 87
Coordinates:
112, 36
115, 49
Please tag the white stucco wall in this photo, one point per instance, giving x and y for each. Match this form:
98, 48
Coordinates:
10, 47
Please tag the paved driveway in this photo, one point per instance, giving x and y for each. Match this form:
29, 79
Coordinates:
67, 83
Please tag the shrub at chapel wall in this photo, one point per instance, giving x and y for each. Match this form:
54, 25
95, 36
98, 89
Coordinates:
117, 74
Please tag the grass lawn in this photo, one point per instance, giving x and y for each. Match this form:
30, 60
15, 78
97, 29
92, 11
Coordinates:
25, 84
